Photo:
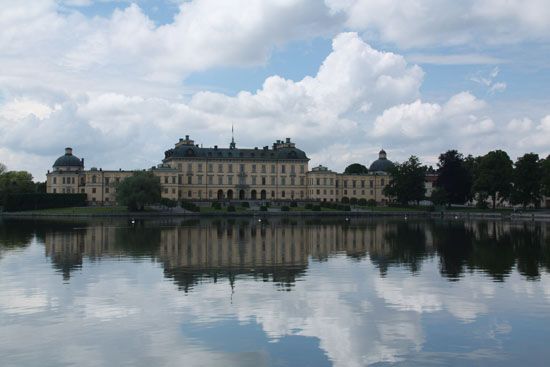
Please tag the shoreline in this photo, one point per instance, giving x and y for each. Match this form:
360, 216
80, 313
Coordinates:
531, 216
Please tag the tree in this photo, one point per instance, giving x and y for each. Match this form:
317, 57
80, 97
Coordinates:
407, 182
136, 191
545, 179
439, 196
2, 169
356, 169
527, 180
494, 175
15, 182
454, 177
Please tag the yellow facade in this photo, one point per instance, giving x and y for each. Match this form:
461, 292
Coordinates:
190, 172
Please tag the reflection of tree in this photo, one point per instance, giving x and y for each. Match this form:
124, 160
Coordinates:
14, 234
453, 242
404, 245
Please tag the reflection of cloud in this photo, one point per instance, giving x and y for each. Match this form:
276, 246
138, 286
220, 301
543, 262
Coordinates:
423, 294
16, 301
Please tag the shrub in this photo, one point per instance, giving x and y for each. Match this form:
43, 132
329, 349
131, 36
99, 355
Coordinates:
231, 208
309, 206
263, 208
362, 202
216, 205
187, 205
345, 200
346, 208
371, 202
353, 201
15, 202
316, 208
245, 204
293, 204
168, 202
285, 208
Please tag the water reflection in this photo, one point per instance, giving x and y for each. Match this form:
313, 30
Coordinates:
276, 292
279, 250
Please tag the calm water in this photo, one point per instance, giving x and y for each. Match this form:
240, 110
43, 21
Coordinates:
274, 293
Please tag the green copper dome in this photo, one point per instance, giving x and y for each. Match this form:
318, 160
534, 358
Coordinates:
382, 164
68, 160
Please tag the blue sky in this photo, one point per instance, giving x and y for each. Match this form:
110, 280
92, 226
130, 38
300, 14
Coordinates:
342, 78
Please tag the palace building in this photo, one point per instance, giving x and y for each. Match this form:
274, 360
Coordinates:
191, 172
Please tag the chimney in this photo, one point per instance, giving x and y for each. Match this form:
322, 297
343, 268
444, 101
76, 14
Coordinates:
68, 151
186, 137
82, 160
288, 140
215, 147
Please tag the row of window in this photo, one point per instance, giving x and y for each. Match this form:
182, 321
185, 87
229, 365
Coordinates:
241, 180
253, 195
261, 168
327, 181
332, 192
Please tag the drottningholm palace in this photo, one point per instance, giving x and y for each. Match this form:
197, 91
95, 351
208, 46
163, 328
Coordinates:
191, 172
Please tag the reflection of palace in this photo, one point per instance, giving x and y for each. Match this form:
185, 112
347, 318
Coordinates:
189, 171
280, 250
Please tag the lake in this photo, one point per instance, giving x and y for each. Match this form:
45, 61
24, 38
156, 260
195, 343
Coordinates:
274, 292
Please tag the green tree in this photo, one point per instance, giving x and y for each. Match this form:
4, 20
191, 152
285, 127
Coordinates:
15, 182
407, 182
2, 169
136, 191
494, 174
527, 180
439, 196
545, 180
356, 169
454, 177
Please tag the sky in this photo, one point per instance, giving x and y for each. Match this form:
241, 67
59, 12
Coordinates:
121, 81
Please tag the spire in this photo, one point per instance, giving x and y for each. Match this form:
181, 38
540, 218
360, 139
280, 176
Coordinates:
232, 145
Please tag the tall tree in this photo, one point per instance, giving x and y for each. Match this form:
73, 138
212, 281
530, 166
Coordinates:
527, 180
356, 168
2, 168
136, 191
454, 177
494, 175
407, 182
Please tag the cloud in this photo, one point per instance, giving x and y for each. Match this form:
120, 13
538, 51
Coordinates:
454, 59
449, 23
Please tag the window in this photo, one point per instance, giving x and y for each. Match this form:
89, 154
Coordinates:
345, 183
318, 182
210, 180
179, 166
318, 192
241, 168
117, 180
165, 179
302, 169
371, 184
283, 181
189, 167
166, 190
199, 179
93, 190
189, 180
72, 180
200, 167
230, 168
283, 168
106, 180
325, 181
230, 180
293, 181
263, 180
272, 180
210, 167
63, 180
254, 168
94, 179
220, 180
189, 193
272, 168
353, 183
54, 191
106, 190
220, 168
363, 184
382, 182
200, 194
263, 168
253, 180
292, 169
55, 180
283, 193
302, 181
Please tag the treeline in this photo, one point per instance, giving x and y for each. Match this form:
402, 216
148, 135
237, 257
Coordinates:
17, 183
493, 178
